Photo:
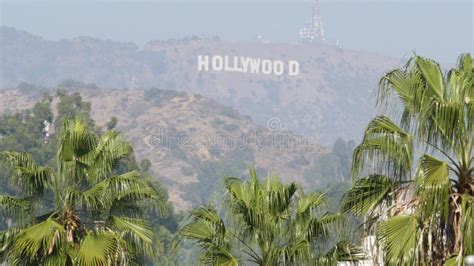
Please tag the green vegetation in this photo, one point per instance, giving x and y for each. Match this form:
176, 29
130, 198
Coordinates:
94, 212
159, 97
267, 223
72, 106
210, 175
73, 194
422, 212
24, 131
27, 131
335, 164
53, 196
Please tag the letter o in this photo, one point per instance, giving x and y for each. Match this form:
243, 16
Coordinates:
266, 67
217, 63
278, 68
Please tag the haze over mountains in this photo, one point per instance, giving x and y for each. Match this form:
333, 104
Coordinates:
191, 141
330, 98
391, 27
197, 126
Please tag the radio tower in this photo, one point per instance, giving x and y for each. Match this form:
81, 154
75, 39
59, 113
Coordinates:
313, 31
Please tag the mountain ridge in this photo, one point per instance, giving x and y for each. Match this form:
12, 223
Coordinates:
188, 137
329, 99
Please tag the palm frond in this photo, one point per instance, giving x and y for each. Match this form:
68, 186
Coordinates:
15, 207
94, 198
106, 155
320, 227
100, 249
138, 232
32, 178
56, 258
206, 226
248, 202
387, 146
280, 199
345, 251
310, 202
7, 243
454, 261
403, 85
433, 186
399, 238
75, 142
432, 75
209, 231
128, 187
467, 224
436, 114
218, 256
367, 193
298, 251
41, 240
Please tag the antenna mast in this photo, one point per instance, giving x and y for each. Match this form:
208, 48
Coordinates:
313, 31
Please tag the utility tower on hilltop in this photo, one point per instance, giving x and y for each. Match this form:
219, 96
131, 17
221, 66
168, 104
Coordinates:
313, 31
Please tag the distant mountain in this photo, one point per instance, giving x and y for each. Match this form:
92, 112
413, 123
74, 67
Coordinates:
329, 99
191, 141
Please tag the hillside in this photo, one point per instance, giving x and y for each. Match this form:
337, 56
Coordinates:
191, 141
329, 99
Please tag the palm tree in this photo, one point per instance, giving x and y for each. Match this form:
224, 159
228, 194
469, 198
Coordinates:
266, 223
420, 205
85, 212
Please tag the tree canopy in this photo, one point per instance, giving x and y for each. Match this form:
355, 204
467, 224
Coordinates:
31, 137
94, 213
414, 169
267, 223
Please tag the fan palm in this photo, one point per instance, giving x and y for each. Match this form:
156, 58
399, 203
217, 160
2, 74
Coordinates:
267, 223
85, 212
420, 205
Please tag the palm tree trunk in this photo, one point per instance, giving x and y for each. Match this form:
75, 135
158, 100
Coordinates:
71, 224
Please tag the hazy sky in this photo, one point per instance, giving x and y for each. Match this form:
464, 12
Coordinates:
439, 29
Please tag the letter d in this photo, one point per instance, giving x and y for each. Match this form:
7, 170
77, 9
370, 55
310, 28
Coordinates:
293, 68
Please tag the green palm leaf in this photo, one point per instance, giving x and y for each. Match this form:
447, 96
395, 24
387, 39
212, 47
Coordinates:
208, 229
14, 206
399, 239
433, 186
368, 193
387, 146
218, 256
207, 226
467, 223
75, 143
100, 249
41, 239
106, 155
431, 74
266, 223
346, 251
319, 227
436, 114
309, 203
94, 219
7, 242
137, 231
32, 178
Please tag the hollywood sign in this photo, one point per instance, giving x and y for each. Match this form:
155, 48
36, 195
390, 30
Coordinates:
247, 65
